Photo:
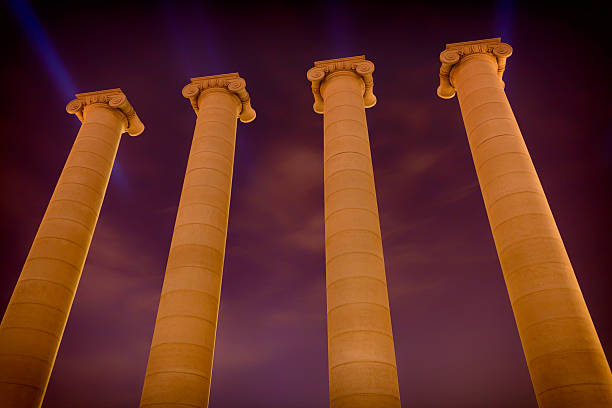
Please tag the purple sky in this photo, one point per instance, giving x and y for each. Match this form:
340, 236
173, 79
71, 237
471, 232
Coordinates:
456, 341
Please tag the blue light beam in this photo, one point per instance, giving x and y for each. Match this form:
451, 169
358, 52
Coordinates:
504, 19
43, 47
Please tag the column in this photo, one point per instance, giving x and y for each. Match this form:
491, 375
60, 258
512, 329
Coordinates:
181, 356
36, 315
566, 362
362, 368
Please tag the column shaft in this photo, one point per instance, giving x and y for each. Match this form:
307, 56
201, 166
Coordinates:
36, 316
567, 364
180, 361
362, 367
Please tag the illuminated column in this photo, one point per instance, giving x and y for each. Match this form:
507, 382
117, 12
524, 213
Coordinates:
36, 315
567, 364
362, 369
181, 356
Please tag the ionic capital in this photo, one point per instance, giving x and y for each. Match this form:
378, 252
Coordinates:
112, 98
359, 65
457, 52
233, 83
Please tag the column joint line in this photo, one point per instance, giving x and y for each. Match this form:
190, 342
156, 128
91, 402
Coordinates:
539, 193
213, 152
199, 223
469, 133
481, 165
355, 277
89, 122
492, 74
86, 168
70, 220
538, 237
482, 142
194, 266
359, 108
515, 217
340, 171
529, 326
349, 188
26, 356
526, 295
467, 114
344, 120
361, 138
214, 324
227, 125
55, 200
572, 385
215, 298
151, 373
342, 333
207, 185
29, 259
57, 309
198, 138
21, 384
70, 290
206, 168
357, 303
352, 253
181, 206
183, 343
484, 187
38, 238
207, 107
463, 97
94, 153
350, 208
62, 183
363, 362
106, 142
511, 273
197, 245
347, 152
352, 230
344, 91
566, 351
30, 328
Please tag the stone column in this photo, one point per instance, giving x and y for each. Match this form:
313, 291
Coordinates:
362, 368
567, 364
36, 315
181, 356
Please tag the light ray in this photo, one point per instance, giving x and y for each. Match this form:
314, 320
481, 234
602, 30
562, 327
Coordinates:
504, 19
40, 41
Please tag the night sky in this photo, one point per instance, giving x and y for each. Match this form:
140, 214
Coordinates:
455, 337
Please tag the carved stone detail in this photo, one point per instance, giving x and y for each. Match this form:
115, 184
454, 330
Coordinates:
113, 98
233, 83
454, 53
358, 65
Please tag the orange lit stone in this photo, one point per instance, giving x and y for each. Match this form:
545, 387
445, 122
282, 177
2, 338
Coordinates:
34, 321
362, 368
180, 361
566, 362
